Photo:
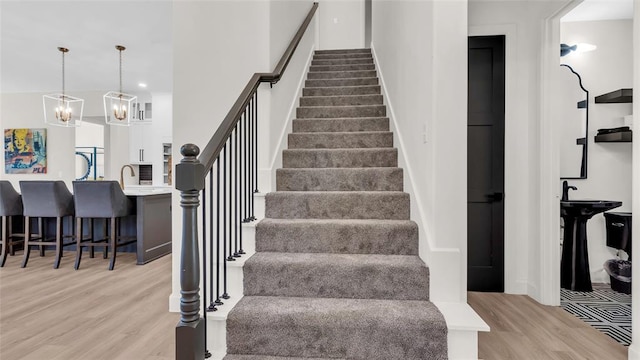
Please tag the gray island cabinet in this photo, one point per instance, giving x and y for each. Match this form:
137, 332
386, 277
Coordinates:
151, 225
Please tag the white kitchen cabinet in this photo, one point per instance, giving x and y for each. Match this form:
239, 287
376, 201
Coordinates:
142, 144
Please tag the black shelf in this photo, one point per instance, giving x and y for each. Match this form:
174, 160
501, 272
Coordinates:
618, 96
622, 136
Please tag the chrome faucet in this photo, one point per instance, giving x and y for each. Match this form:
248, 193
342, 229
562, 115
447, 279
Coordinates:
565, 190
133, 173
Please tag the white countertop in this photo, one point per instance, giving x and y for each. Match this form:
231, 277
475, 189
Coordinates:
142, 190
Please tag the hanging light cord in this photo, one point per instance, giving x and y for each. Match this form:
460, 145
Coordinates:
63, 75
120, 50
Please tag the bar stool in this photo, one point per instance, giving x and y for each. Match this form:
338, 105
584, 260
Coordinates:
101, 200
46, 199
10, 205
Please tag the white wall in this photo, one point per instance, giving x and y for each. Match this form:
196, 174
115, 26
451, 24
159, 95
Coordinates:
341, 24
420, 49
606, 69
211, 69
523, 23
286, 18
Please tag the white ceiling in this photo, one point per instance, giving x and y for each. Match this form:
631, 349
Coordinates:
591, 10
31, 32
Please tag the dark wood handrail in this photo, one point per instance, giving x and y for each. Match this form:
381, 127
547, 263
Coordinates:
216, 143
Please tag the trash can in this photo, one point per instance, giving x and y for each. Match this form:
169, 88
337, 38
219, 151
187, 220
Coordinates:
620, 274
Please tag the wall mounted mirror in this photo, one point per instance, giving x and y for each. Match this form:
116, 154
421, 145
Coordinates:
574, 125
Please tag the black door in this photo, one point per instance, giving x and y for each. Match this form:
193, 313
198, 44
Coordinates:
485, 164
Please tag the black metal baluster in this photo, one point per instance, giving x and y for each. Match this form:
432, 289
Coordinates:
236, 208
231, 227
251, 159
212, 306
218, 301
225, 295
254, 142
207, 354
241, 184
204, 248
245, 187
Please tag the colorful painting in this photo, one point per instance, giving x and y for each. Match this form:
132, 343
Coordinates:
25, 151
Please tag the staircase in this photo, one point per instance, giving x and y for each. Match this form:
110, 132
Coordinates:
336, 274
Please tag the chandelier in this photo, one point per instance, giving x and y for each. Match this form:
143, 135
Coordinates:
62, 109
118, 106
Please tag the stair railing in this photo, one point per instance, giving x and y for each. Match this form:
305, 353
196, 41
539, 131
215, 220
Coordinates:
226, 173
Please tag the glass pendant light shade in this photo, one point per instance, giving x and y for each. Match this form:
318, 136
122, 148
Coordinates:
119, 108
62, 109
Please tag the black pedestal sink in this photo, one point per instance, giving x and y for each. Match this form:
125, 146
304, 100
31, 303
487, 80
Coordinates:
574, 268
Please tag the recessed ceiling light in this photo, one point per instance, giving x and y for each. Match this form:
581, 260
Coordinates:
142, 85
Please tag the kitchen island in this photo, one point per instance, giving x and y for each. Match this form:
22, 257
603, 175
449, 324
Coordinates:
152, 223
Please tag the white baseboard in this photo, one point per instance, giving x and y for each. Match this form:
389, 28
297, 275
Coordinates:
634, 352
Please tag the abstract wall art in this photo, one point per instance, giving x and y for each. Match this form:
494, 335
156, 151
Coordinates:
25, 151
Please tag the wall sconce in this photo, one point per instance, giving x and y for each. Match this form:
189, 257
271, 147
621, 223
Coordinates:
62, 109
118, 106
578, 48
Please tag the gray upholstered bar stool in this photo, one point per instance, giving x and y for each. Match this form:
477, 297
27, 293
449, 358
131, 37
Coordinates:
46, 199
10, 205
101, 200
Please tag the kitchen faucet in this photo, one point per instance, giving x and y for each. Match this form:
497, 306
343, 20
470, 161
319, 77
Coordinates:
132, 174
565, 190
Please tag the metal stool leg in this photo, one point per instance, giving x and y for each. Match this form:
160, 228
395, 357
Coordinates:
5, 241
56, 264
27, 237
113, 240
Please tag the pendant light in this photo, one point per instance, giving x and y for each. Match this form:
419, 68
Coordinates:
118, 106
62, 109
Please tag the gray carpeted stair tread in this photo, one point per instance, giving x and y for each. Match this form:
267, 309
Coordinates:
340, 124
263, 357
349, 74
343, 236
339, 179
341, 111
353, 276
339, 158
340, 140
343, 51
341, 82
392, 205
341, 67
343, 56
341, 61
342, 90
344, 100
357, 329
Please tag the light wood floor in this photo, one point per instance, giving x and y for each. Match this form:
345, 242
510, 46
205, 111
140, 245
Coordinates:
521, 328
88, 314
94, 314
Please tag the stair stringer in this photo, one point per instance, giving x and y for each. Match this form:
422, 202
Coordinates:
446, 280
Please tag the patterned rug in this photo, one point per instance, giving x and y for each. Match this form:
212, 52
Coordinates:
604, 309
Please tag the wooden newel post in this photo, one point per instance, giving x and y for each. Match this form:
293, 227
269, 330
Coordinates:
190, 342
